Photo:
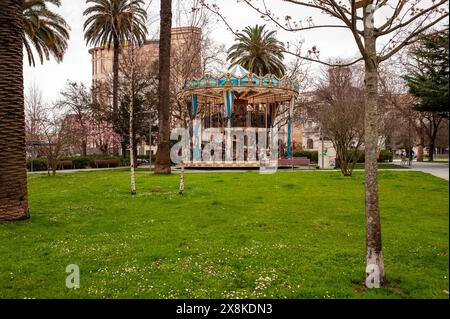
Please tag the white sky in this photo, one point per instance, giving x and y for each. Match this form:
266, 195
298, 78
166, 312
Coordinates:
76, 66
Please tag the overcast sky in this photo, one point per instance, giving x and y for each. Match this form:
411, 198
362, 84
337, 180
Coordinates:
76, 66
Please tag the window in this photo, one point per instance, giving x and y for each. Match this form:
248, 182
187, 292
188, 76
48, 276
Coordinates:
309, 144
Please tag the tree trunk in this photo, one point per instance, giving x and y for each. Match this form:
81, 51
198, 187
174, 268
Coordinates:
55, 165
13, 168
115, 108
84, 147
343, 162
374, 256
124, 148
162, 165
420, 152
431, 150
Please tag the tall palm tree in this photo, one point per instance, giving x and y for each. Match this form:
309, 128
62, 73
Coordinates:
44, 30
259, 51
13, 174
162, 165
112, 23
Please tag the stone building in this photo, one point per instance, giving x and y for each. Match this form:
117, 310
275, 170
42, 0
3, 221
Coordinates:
183, 38
185, 61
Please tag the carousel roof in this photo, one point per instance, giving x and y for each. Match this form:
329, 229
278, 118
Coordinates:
238, 71
245, 84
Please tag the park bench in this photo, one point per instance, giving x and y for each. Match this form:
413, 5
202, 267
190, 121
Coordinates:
106, 163
64, 164
294, 161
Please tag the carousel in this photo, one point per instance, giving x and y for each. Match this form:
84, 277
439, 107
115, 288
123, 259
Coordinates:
238, 100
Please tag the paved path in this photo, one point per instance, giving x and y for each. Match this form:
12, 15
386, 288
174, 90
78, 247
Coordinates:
433, 168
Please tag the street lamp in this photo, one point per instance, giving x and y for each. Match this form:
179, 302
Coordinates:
321, 136
150, 145
409, 141
359, 3
149, 137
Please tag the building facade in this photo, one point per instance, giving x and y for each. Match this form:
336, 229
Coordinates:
185, 61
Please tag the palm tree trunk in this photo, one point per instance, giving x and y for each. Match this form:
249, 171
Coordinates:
13, 169
115, 110
162, 165
374, 256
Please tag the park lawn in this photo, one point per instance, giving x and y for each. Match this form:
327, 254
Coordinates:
232, 235
383, 166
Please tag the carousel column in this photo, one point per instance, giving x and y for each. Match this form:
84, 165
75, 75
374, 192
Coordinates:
228, 101
196, 128
289, 137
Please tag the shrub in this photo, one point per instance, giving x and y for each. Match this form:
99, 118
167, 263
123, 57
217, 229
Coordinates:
385, 156
312, 155
360, 157
80, 162
122, 161
39, 164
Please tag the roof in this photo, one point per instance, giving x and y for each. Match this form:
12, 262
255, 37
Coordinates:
245, 84
238, 71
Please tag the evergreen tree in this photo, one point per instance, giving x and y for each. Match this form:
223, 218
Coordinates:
429, 78
428, 81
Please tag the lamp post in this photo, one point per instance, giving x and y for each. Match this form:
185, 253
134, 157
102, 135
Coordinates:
150, 144
149, 137
409, 142
359, 3
322, 153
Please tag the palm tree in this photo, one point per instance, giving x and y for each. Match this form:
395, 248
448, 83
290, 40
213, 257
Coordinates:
44, 30
258, 51
162, 165
112, 23
13, 174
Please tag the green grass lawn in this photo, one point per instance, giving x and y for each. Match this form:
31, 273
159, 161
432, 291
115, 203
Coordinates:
383, 166
288, 235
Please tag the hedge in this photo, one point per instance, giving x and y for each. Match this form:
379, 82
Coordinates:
39, 164
312, 155
79, 162
384, 156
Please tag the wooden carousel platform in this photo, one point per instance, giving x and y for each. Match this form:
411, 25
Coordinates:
246, 164
280, 163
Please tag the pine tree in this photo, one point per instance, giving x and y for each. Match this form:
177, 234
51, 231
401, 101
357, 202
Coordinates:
428, 81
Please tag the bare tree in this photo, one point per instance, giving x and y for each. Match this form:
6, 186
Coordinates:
405, 21
76, 100
197, 55
34, 113
338, 107
138, 89
56, 138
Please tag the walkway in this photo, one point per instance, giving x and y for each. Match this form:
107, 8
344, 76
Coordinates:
433, 168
